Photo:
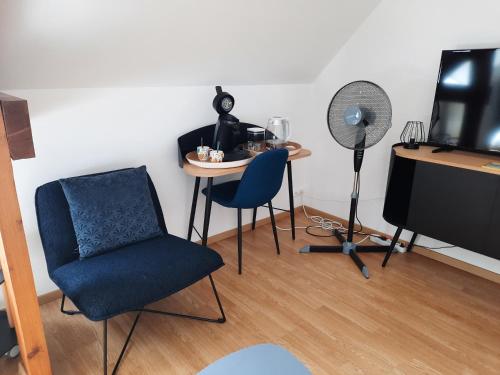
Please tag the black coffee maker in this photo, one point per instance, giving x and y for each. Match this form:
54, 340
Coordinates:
227, 135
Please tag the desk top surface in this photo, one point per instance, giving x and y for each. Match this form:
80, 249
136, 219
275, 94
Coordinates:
196, 171
456, 158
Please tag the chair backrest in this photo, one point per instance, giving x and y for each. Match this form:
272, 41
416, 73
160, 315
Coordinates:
56, 227
262, 179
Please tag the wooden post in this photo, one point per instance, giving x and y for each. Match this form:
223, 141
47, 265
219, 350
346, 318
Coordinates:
16, 266
8, 307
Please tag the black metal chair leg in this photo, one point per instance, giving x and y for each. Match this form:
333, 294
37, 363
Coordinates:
115, 369
223, 319
240, 242
193, 207
67, 312
273, 223
412, 242
124, 348
105, 347
393, 244
254, 218
208, 209
290, 196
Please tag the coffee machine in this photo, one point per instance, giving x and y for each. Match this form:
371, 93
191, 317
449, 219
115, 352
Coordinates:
227, 134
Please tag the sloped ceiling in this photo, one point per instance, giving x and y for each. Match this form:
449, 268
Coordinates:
112, 43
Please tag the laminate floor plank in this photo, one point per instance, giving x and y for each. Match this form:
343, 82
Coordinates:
416, 316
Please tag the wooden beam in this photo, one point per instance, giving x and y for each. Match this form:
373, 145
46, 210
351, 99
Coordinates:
8, 307
17, 126
16, 266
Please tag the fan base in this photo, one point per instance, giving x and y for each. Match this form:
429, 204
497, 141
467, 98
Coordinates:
347, 248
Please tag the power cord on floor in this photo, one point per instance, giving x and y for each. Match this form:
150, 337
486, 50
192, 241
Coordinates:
330, 226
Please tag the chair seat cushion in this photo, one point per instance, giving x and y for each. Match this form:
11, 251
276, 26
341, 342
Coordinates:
224, 193
134, 276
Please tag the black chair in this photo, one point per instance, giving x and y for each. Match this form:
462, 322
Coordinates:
122, 280
259, 184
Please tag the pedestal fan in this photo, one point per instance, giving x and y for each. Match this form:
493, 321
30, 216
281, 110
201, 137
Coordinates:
358, 117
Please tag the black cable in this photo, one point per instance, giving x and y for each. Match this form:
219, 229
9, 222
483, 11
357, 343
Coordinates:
198, 233
317, 235
436, 248
360, 231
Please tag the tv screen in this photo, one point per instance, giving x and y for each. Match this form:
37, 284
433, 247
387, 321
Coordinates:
466, 112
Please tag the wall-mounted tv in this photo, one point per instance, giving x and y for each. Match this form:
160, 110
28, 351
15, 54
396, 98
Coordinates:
466, 111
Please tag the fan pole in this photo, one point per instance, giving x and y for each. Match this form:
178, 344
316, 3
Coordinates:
358, 161
354, 204
358, 117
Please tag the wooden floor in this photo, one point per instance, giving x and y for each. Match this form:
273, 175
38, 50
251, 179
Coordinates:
417, 316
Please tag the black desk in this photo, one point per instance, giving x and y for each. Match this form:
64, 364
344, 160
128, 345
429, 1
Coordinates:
188, 142
447, 196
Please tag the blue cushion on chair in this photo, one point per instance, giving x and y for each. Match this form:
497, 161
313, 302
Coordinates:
136, 275
111, 210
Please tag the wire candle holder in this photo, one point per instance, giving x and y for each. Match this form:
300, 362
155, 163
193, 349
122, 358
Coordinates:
413, 134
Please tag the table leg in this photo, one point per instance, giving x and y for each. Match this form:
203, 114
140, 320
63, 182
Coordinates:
208, 208
193, 207
412, 242
393, 244
254, 218
290, 196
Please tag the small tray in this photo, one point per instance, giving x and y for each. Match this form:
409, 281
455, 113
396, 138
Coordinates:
293, 148
192, 158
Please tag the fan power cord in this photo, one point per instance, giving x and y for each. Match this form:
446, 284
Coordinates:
328, 225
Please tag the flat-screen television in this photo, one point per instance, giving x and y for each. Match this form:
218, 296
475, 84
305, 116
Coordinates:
466, 111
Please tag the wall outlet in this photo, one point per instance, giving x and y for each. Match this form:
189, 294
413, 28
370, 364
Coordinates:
298, 192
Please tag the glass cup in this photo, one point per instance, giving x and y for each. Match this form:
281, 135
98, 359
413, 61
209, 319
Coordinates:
216, 156
277, 132
203, 152
256, 139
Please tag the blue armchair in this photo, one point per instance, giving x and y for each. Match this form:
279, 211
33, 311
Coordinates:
122, 280
259, 184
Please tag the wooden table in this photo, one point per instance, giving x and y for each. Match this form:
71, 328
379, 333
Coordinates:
209, 174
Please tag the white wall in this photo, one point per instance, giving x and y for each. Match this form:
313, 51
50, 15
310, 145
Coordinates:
398, 46
81, 131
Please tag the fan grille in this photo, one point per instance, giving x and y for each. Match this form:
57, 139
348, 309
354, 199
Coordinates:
375, 105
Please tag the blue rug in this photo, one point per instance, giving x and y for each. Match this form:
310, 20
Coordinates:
263, 359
